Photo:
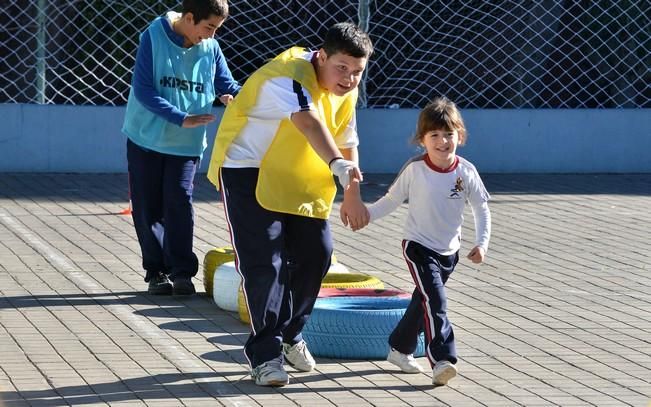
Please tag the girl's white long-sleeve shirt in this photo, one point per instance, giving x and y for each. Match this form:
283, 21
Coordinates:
436, 202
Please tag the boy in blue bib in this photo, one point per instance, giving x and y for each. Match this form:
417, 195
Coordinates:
180, 70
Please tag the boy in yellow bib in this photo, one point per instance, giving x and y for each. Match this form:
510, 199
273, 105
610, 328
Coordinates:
290, 128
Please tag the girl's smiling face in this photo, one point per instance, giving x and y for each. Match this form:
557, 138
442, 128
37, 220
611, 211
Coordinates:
441, 146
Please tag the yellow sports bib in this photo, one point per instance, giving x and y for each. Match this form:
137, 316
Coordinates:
293, 178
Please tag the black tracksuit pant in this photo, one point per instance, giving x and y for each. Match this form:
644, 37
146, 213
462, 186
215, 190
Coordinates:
282, 259
161, 188
428, 307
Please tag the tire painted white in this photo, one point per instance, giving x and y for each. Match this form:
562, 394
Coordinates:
226, 282
338, 268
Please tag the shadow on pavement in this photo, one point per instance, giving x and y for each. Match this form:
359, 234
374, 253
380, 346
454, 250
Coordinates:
161, 387
76, 299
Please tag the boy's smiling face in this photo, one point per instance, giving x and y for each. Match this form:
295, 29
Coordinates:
339, 73
206, 28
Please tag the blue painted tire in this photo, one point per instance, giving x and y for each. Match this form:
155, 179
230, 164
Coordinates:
355, 327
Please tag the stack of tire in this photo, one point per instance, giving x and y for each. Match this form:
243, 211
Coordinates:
223, 282
337, 277
355, 323
352, 317
220, 278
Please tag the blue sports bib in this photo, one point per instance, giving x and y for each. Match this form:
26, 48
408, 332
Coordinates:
184, 77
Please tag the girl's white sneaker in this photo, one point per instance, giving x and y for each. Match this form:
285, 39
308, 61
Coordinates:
405, 362
443, 371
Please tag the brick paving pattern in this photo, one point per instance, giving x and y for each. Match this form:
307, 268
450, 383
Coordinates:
559, 315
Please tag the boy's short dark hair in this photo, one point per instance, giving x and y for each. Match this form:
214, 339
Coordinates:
440, 114
203, 9
348, 39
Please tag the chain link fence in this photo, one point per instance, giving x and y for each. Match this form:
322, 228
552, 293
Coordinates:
482, 54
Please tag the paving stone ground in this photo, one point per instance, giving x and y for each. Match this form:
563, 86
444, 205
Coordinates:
559, 315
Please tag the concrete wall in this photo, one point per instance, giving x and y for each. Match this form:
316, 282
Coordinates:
47, 138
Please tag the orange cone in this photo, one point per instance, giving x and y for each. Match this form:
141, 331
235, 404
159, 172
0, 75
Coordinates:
127, 211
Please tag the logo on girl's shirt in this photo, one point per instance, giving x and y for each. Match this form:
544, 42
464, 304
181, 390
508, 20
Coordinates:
458, 187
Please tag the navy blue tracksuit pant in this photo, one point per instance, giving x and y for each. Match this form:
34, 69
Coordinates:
282, 259
428, 307
161, 188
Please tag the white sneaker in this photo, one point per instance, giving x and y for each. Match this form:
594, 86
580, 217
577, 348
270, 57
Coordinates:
298, 356
405, 362
442, 373
270, 373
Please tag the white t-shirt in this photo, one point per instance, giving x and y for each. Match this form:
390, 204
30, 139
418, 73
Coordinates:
278, 99
436, 203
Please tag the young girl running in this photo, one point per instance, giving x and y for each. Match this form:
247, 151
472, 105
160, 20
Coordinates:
437, 184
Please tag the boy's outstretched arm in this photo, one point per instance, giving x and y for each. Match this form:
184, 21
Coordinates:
343, 164
353, 212
318, 136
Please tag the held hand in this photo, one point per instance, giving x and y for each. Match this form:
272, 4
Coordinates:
354, 213
355, 216
344, 170
226, 99
357, 175
196, 120
476, 255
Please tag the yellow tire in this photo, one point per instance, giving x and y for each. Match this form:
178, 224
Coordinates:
351, 280
242, 309
213, 259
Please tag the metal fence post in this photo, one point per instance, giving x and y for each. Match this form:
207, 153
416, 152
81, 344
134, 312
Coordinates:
41, 14
363, 17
